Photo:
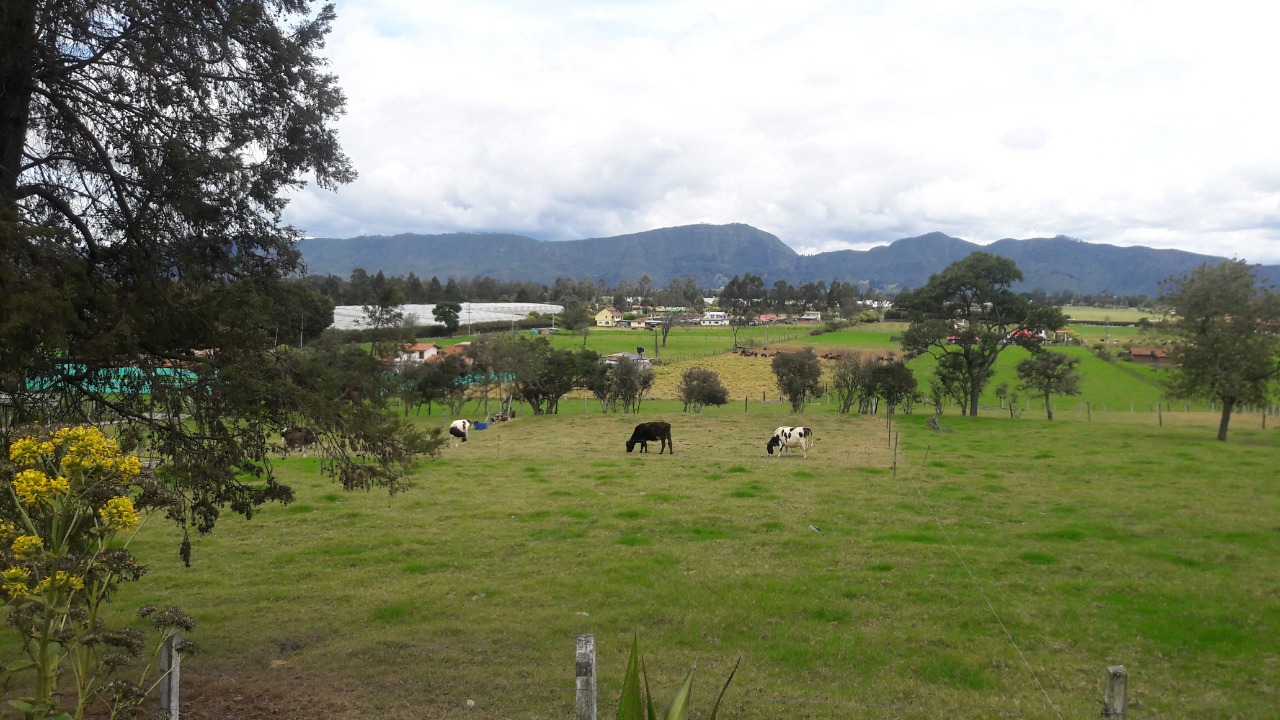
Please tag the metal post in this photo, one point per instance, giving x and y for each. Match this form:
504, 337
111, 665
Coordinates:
584, 705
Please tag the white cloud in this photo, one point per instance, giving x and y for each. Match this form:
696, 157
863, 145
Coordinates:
829, 124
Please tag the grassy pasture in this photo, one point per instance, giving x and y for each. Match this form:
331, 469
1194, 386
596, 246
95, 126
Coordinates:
1089, 543
1081, 313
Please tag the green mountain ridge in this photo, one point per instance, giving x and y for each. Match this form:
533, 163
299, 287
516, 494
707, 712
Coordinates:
715, 253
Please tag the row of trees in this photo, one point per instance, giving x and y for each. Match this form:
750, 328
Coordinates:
1226, 330
499, 370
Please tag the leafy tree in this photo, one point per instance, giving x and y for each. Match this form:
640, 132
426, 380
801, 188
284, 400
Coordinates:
700, 387
851, 382
552, 374
798, 374
632, 381
1227, 342
300, 313
1049, 373
442, 381
1008, 400
384, 316
146, 153
447, 312
620, 386
968, 314
894, 383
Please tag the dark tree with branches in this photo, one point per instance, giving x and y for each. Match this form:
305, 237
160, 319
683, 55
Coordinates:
1047, 374
798, 375
1227, 345
146, 151
968, 314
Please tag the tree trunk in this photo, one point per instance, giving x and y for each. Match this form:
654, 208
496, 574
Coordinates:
974, 392
1048, 406
17, 62
1227, 406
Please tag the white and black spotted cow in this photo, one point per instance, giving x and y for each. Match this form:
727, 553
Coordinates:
459, 429
790, 437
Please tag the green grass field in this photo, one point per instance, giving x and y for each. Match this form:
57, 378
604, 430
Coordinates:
993, 570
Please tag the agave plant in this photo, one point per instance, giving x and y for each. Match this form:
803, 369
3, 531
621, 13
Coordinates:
635, 705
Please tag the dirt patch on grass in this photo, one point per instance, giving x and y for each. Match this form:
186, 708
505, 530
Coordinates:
277, 695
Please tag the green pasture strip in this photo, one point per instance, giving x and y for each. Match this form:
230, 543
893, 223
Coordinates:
1096, 543
1081, 313
1108, 386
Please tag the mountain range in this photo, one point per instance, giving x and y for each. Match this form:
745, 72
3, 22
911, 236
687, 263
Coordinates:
715, 253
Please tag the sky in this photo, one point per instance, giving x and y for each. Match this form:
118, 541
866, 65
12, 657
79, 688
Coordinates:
831, 124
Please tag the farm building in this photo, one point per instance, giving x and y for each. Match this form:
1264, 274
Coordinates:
608, 317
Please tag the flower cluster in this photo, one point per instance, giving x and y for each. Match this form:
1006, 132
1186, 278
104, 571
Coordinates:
87, 450
28, 451
28, 546
118, 514
13, 582
62, 581
34, 488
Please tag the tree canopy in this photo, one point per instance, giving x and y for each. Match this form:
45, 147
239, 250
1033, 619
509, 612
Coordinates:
1227, 344
798, 374
1049, 373
146, 151
968, 314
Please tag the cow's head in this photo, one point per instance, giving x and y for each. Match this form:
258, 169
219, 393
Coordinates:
631, 445
773, 443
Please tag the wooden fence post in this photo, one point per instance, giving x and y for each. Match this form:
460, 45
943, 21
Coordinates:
584, 705
1116, 699
170, 670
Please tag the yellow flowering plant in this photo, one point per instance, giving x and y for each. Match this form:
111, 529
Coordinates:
70, 503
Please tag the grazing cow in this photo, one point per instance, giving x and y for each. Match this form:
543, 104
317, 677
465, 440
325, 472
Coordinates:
459, 429
790, 437
297, 439
645, 432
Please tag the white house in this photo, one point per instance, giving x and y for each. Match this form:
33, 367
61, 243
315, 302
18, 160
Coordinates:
715, 317
416, 354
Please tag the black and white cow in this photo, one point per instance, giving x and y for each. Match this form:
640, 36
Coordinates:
297, 439
790, 437
647, 431
459, 430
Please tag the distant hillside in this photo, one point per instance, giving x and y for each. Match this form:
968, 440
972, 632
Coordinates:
715, 253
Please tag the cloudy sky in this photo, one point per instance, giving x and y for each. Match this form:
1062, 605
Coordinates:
831, 124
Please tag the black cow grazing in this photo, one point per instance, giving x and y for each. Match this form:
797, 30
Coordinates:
297, 439
790, 437
459, 429
645, 432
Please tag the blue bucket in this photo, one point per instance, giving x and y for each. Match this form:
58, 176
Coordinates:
482, 426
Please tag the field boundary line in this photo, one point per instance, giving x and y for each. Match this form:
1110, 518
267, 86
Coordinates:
978, 586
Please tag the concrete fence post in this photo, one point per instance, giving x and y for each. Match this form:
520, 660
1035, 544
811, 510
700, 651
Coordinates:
170, 670
584, 705
1116, 698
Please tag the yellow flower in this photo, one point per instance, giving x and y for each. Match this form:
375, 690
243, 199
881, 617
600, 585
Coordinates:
13, 582
8, 531
29, 451
64, 580
118, 514
86, 449
130, 467
35, 488
28, 546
